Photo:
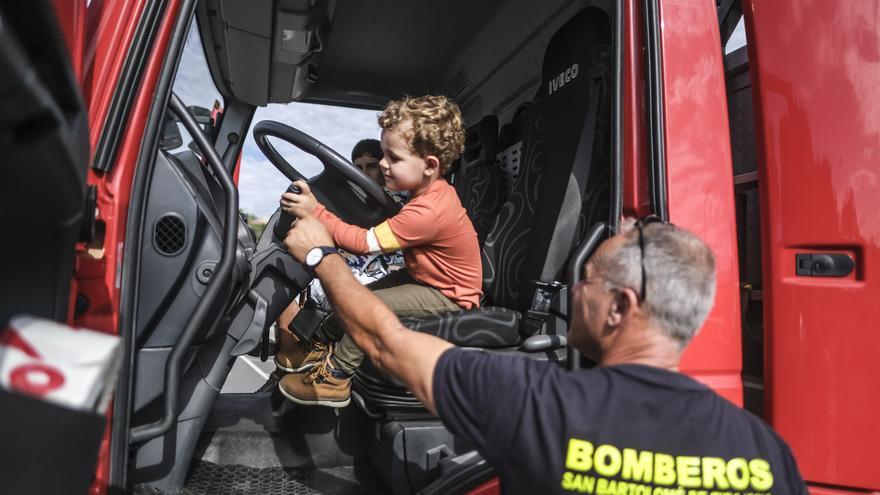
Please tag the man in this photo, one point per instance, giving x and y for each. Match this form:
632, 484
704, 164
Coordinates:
632, 425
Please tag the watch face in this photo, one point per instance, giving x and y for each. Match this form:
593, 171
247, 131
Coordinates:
313, 257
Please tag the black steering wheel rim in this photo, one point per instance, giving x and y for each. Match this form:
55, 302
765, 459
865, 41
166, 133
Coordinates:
326, 155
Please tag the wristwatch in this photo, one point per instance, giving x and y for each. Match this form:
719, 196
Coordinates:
316, 254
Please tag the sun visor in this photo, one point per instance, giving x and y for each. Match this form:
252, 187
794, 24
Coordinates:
264, 51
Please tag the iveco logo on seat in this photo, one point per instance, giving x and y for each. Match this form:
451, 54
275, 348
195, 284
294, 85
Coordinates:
562, 79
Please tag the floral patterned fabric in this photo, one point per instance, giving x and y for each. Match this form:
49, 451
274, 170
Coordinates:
365, 268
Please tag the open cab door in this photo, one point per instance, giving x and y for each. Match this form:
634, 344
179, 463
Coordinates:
814, 83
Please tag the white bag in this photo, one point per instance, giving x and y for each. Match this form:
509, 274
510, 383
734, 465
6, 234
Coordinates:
73, 367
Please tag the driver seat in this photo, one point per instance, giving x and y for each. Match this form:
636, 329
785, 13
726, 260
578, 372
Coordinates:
562, 189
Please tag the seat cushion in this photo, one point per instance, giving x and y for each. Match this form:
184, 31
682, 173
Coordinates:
490, 327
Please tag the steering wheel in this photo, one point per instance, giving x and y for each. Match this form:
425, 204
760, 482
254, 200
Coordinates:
342, 187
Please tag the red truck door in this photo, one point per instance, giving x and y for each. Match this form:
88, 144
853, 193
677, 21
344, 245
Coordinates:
815, 72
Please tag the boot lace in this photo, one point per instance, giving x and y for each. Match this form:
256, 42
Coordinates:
320, 372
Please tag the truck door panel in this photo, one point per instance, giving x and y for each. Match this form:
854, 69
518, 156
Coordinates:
815, 67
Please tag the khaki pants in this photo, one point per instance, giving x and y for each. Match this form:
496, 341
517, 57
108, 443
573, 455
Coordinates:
403, 295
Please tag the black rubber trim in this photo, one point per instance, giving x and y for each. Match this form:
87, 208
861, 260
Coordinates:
129, 278
656, 133
214, 291
574, 272
463, 480
617, 131
127, 86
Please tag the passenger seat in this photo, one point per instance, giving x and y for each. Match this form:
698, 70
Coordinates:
479, 182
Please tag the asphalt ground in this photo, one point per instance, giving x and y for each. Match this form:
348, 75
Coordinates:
248, 373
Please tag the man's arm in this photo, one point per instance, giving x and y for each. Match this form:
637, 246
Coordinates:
409, 356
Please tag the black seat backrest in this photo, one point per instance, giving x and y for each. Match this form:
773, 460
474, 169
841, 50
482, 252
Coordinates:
564, 154
478, 181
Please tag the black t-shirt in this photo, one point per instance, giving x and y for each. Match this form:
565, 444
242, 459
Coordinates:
625, 429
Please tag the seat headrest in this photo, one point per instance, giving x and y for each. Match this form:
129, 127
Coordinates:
480, 143
567, 60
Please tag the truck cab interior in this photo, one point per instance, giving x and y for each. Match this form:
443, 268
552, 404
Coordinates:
121, 184
536, 85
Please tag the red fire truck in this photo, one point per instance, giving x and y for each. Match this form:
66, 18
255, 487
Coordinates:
579, 113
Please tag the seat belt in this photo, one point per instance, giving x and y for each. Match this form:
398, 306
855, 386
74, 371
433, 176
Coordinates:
539, 311
563, 234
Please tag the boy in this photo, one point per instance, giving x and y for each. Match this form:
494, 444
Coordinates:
365, 155
421, 137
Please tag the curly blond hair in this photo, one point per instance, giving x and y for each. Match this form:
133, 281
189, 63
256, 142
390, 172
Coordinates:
437, 127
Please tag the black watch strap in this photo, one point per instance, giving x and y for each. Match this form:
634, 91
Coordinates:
325, 250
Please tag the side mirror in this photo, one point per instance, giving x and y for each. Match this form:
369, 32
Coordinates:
202, 116
171, 138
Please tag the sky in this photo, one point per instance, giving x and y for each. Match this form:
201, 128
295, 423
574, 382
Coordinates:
260, 184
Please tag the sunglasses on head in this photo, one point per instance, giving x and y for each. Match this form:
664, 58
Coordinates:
640, 225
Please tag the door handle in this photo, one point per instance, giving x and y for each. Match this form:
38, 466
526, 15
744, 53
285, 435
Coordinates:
823, 264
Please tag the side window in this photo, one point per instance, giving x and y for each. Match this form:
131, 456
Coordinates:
194, 86
737, 39
260, 184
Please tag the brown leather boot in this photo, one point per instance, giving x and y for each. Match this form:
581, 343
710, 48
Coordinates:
323, 386
296, 356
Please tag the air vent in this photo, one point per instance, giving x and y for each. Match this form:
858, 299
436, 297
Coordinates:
458, 85
169, 234
509, 161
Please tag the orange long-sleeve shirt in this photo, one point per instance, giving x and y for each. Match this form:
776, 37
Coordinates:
439, 243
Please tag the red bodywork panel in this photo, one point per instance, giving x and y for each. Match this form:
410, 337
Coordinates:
815, 68
491, 487
700, 178
98, 37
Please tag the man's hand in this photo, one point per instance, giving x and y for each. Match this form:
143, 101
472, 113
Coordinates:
301, 204
307, 233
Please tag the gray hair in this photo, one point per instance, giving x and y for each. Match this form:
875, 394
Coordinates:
680, 273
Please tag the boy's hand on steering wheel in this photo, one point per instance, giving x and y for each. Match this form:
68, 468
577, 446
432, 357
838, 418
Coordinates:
307, 233
302, 204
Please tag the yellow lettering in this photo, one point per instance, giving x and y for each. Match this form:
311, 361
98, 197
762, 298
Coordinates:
607, 460
637, 468
578, 482
713, 473
587, 484
664, 469
762, 476
601, 486
567, 479
580, 455
688, 468
738, 473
